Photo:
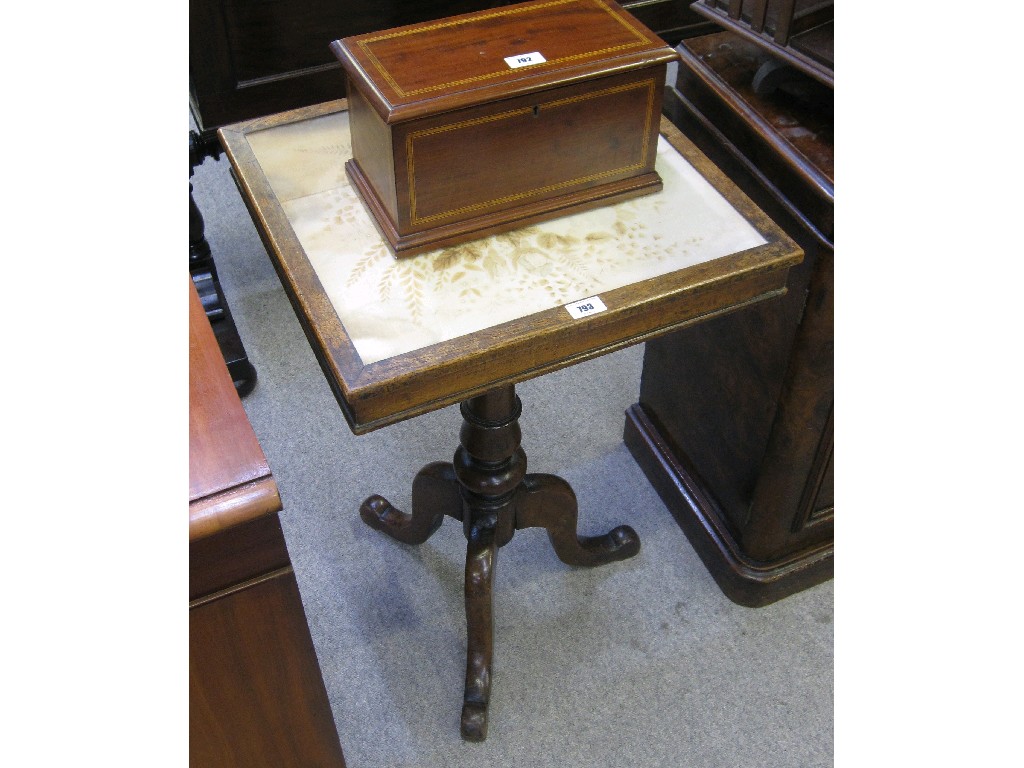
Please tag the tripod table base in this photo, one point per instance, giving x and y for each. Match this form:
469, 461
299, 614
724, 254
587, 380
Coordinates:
487, 488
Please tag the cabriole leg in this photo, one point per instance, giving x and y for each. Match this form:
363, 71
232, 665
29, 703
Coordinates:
547, 501
481, 553
435, 493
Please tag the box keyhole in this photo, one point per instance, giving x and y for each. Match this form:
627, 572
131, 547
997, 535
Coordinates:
536, 110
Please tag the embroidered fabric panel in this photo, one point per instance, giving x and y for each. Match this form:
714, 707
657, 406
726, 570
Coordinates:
392, 306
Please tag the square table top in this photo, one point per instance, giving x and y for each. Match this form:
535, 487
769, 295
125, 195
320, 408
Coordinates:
397, 337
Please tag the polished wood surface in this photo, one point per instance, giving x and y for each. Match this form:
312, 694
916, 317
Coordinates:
229, 480
256, 697
404, 77
576, 129
796, 120
783, 134
743, 454
233, 555
406, 385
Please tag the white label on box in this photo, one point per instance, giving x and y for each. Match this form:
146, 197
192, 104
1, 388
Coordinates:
586, 307
524, 60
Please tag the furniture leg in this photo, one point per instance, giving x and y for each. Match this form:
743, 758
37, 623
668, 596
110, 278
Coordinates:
204, 275
481, 553
435, 493
547, 501
490, 467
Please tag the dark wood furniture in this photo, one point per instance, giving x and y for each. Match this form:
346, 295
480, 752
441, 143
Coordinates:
734, 421
203, 270
570, 90
256, 697
797, 32
401, 337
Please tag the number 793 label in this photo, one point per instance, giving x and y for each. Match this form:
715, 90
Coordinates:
585, 307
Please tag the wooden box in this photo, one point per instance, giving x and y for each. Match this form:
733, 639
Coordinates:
488, 121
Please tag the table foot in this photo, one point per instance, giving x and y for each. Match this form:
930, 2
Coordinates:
481, 553
474, 721
547, 501
435, 493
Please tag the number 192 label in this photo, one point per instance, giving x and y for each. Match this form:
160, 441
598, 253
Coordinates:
585, 307
524, 59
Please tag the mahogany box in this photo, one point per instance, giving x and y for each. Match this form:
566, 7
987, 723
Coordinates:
487, 121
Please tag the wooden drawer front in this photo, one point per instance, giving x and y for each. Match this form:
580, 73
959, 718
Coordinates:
236, 555
500, 156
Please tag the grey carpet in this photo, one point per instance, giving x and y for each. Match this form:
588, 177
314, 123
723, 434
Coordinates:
639, 663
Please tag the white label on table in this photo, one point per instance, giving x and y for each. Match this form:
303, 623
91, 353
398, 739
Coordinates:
524, 59
586, 307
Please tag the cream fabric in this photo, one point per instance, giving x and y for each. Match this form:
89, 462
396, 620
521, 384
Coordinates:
391, 306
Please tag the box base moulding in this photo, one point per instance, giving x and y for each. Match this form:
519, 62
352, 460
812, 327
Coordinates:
499, 221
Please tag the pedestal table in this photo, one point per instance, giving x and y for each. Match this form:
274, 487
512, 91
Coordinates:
397, 338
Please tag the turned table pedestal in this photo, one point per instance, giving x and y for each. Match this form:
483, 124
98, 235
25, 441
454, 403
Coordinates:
397, 338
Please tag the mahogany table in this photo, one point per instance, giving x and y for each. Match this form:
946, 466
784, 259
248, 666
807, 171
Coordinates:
401, 337
256, 696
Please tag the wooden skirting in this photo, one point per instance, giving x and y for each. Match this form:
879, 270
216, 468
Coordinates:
743, 580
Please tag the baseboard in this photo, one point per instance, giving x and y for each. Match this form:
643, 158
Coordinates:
743, 580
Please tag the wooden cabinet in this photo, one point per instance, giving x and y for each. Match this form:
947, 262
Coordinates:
734, 420
256, 696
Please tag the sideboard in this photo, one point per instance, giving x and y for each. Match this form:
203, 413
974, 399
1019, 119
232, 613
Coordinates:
256, 695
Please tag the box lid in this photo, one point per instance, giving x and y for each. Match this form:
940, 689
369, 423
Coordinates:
461, 61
